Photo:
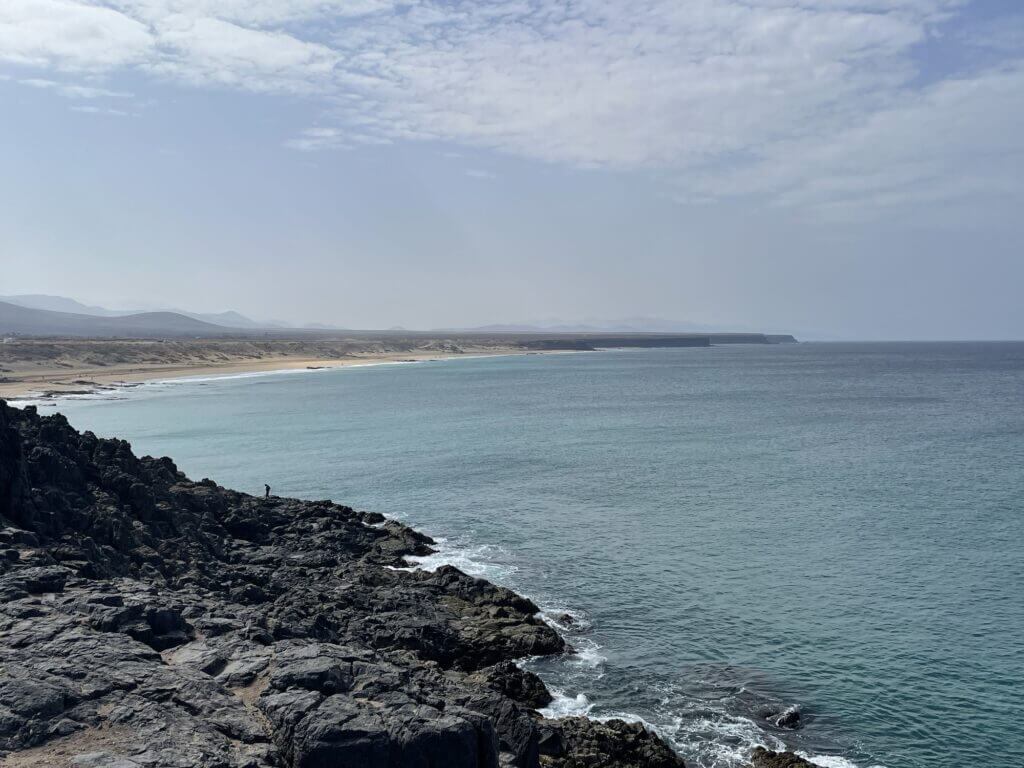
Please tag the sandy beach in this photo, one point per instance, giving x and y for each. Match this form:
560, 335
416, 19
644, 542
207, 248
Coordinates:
39, 368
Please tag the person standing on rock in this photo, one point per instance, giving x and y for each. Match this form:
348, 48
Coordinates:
267, 494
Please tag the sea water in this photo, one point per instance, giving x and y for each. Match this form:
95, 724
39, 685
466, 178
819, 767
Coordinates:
720, 533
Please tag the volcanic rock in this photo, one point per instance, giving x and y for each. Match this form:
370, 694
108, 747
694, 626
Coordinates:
765, 758
147, 620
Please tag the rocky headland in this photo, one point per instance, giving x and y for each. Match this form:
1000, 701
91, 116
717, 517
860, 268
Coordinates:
149, 620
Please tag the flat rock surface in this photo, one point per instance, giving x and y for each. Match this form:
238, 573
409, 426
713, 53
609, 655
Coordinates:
149, 620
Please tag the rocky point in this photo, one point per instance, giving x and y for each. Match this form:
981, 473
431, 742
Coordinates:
149, 620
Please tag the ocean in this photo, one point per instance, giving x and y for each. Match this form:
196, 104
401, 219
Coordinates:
722, 534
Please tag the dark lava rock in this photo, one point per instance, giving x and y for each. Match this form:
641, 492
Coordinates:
577, 742
789, 718
147, 621
520, 685
765, 758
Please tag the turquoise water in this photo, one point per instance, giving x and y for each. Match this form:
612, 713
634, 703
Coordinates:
832, 527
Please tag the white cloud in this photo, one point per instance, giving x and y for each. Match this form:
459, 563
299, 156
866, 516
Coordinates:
476, 173
73, 90
206, 50
90, 110
314, 139
253, 12
653, 83
800, 101
956, 139
69, 35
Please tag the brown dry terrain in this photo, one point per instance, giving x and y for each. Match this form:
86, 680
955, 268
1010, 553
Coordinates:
33, 366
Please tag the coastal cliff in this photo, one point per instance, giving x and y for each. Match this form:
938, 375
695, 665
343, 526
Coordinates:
149, 620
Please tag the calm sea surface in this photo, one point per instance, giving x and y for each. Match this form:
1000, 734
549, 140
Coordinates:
833, 527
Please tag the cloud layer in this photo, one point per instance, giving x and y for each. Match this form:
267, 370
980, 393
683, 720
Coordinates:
820, 102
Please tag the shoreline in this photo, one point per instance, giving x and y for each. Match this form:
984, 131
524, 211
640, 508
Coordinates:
55, 383
441, 555
297, 637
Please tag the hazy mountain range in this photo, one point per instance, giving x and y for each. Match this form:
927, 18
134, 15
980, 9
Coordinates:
81, 319
19, 320
229, 319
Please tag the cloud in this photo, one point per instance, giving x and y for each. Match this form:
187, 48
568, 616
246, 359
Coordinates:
651, 84
187, 40
931, 147
476, 173
816, 100
90, 110
74, 91
211, 51
315, 139
259, 13
71, 36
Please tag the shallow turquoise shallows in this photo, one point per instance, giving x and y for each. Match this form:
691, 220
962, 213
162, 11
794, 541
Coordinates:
735, 531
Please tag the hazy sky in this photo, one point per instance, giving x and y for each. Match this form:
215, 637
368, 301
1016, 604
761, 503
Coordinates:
846, 167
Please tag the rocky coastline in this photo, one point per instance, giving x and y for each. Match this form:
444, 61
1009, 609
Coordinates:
147, 620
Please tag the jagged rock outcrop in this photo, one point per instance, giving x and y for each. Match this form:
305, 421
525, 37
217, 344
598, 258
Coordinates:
148, 620
766, 758
577, 742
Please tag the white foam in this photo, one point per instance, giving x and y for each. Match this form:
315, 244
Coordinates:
490, 562
472, 560
109, 392
629, 717
482, 561
563, 705
727, 740
666, 731
832, 761
204, 378
554, 617
588, 654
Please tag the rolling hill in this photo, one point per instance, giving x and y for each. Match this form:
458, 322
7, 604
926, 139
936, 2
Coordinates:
229, 319
26, 321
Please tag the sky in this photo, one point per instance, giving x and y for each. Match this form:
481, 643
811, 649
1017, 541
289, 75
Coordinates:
845, 169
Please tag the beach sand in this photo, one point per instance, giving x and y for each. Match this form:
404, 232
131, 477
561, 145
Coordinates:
35, 368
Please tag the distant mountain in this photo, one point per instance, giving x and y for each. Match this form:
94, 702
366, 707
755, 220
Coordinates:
229, 319
19, 320
60, 304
